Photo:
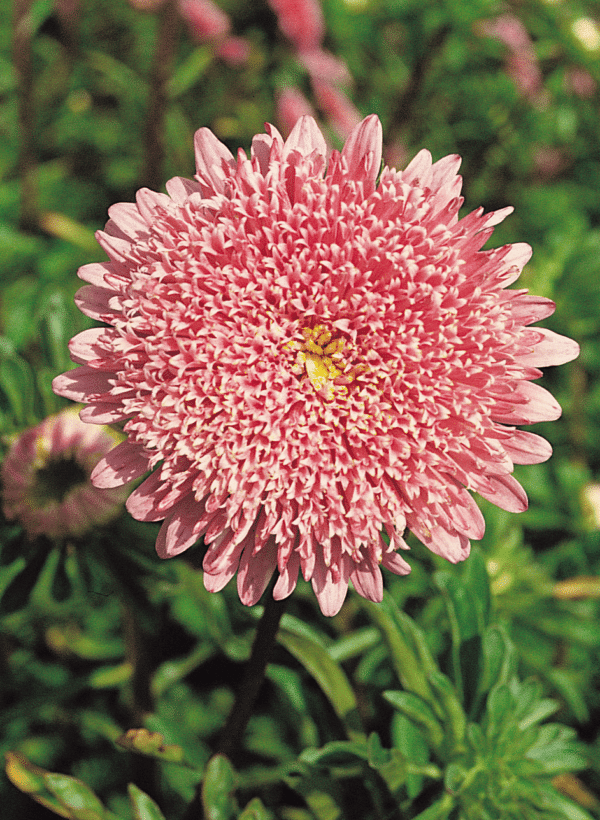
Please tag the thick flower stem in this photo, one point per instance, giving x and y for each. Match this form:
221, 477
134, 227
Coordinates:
252, 678
164, 56
254, 674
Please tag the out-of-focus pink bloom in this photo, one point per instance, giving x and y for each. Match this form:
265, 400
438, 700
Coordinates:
68, 10
291, 105
321, 65
46, 482
205, 20
549, 161
522, 64
581, 82
301, 21
234, 50
523, 68
308, 357
341, 113
509, 30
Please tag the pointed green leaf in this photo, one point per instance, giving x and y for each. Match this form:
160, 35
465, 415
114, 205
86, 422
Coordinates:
144, 808
466, 625
16, 594
330, 676
29, 779
336, 753
151, 744
409, 652
218, 789
447, 699
255, 810
75, 796
418, 711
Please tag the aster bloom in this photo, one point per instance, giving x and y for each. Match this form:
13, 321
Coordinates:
46, 482
308, 359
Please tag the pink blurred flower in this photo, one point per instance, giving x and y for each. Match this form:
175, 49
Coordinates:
206, 21
46, 482
549, 161
291, 105
581, 82
321, 65
307, 359
341, 113
522, 64
301, 21
234, 50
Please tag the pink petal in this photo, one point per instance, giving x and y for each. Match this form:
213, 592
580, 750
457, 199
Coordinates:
454, 547
149, 203
286, 583
180, 189
255, 572
143, 501
83, 384
418, 171
94, 302
368, 581
180, 529
395, 563
527, 308
515, 260
210, 156
531, 404
306, 138
330, 594
363, 149
527, 448
553, 349
505, 492
121, 465
103, 413
95, 273
127, 217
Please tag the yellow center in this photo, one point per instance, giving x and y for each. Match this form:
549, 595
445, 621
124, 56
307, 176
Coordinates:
323, 361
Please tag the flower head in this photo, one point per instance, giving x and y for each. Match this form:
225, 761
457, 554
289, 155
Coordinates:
308, 359
46, 482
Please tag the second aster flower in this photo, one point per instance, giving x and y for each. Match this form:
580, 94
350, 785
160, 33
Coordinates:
307, 359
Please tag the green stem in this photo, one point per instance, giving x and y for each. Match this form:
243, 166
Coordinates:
164, 55
252, 678
23, 62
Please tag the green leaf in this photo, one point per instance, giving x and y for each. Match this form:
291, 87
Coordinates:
144, 808
79, 800
466, 625
16, 594
499, 660
17, 383
29, 779
500, 708
189, 71
408, 648
447, 700
337, 753
151, 744
418, 711
218, 787
255, 810
330, 676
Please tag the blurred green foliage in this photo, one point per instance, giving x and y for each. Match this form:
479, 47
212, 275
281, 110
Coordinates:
119, 669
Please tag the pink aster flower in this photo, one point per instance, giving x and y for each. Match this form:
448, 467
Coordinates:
308, 358
46, 482
301, 21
